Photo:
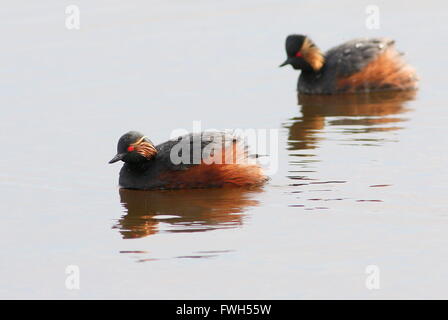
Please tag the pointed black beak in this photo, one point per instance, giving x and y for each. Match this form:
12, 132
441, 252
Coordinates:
287, 61
118, 157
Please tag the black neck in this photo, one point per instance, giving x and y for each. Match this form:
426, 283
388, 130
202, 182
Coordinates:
138, 166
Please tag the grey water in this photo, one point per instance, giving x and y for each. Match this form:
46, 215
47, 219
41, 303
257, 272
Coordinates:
361, 180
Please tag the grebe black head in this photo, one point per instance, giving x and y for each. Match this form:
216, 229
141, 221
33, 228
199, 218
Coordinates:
302, 53
134, 147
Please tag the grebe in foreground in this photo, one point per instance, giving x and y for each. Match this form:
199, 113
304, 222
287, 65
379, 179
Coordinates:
201, 160
360, 65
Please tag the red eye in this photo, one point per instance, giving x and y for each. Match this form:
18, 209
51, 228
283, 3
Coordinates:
299, 55
131, 148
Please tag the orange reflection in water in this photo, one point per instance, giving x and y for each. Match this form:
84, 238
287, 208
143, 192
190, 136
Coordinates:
352, 113
191, 210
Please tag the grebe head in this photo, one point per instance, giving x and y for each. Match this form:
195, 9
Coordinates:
302, 53
134, 147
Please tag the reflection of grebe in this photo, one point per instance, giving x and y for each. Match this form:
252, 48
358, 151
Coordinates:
360, 65
364, 110
188, 210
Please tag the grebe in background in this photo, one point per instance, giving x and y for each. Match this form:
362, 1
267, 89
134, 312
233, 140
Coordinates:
359, 65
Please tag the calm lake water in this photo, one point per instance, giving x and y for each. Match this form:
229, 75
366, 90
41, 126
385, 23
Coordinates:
362, 180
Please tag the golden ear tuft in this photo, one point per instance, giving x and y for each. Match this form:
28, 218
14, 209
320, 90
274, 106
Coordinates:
138, 141
312, 54
145, 148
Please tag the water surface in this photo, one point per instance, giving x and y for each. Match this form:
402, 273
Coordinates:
362, 178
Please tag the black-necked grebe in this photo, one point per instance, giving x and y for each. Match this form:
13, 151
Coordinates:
359, 65
201, 160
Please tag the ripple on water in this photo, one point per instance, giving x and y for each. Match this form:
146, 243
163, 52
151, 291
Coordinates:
358, 120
